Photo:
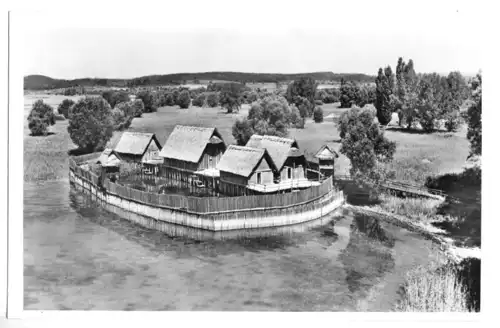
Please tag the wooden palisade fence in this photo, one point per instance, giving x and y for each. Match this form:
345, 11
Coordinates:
312, 199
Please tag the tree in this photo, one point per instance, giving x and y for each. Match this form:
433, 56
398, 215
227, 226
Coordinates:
349, 94
384, 90
318, 115
427, 109
148, 100
230, 97
199, 100
113, 97
406, 82
452, 99
268, 116
303, 88
242, 131
138, 106
64, 107
296, 120
120, 119
213, 99
169, 99
474, 117
367, 95
40, 118
304, 106
365, 145
91, 123
184, 99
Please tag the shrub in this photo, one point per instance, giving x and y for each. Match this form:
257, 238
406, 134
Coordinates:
64, 107
169, 99
213, 99
90, 123
70, 92
453, 122
199, 100
330, 99
148, 100
40, 118
37, 126
184, 99
318, 115
318, 102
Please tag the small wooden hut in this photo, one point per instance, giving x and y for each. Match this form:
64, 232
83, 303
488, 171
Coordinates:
289, 159
109, 161
139, 149
243, 168
326, 160
193, 149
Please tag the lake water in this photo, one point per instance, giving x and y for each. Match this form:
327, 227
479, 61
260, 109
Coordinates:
80, 256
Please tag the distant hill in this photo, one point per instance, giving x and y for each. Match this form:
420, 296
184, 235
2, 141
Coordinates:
39, 82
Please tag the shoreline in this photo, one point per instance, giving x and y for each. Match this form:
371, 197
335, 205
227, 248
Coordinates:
452, 252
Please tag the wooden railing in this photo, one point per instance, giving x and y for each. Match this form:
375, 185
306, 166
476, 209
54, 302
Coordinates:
401, 186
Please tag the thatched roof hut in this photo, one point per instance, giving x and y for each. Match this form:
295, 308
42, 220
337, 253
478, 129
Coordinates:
243, 161
277, 147
326, 153
108, 158
193, 148
136, 146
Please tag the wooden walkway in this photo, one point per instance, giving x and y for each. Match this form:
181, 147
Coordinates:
404, 188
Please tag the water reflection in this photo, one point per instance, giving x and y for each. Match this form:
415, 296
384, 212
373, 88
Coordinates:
79, 255
367, 260
270, 238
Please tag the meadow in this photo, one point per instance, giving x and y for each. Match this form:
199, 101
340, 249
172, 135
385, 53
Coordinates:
417, 155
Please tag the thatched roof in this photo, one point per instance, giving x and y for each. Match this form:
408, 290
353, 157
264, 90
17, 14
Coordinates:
242, 160
278, 148
135, 143
108, 158
187, 143
295, 152
326, 152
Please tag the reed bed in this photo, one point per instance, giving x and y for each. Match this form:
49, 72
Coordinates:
437, 288
421, 209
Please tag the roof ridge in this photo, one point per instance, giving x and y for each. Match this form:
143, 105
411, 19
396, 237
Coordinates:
180, 126
137, 132
246, 148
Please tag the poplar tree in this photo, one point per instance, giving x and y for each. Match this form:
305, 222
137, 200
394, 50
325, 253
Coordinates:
384, 90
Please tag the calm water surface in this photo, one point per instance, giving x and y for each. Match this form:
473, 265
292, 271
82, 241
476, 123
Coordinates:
79, 256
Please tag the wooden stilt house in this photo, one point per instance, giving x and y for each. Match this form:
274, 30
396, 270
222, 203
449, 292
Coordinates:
109, 161
289, 159
193, 149
139, 149
326, 156
245, 168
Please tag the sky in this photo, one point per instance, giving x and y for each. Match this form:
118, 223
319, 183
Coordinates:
438, 36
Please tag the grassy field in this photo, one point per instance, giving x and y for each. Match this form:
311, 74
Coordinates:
417, 155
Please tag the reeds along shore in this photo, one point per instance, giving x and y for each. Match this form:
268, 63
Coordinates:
450, 287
